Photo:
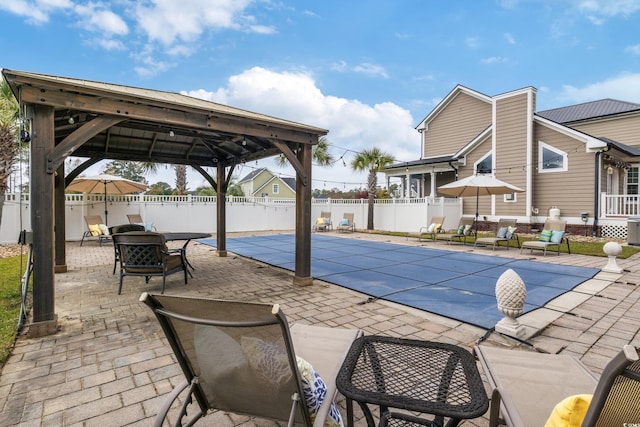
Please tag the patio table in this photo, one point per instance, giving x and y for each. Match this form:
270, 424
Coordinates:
187, 236
420, 376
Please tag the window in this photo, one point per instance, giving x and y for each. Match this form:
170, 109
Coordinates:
551, 159
485, 164
275, 189
632, 180
510, 198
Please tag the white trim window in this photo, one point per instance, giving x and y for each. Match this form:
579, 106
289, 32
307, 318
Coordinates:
632, 180
550, 159
275, 189
484, 165
511, 198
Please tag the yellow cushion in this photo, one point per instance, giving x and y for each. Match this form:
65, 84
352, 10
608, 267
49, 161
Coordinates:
570, 412
437, 228
95, 230
320, 221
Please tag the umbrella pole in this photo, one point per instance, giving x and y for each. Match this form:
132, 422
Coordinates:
106, 213
477, 197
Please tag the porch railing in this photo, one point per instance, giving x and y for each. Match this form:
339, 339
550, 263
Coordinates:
619, 206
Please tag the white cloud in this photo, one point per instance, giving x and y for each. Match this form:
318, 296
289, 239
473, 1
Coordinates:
472, 42
169, 20
598, 11
97, 19
353, 125
36, 12
509, 38
372, 70
625, 87
633, 49
494, 60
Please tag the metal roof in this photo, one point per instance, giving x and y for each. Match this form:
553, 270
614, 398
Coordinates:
588, 110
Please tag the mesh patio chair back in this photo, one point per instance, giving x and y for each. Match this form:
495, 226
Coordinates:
236, 356
347, 223
502, 234
135, 219
145, 254
553, 225
124, 228
454, 236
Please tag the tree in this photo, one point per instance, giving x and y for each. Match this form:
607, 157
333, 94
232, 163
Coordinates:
181, 179
134, 171
160, 189
9, 122
320, 154
374, 161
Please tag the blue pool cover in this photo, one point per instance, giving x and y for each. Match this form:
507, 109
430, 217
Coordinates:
457, 285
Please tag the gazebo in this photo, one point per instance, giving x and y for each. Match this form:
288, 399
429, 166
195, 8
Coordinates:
97, 121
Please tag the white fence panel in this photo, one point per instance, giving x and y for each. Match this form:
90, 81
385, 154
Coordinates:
194, 213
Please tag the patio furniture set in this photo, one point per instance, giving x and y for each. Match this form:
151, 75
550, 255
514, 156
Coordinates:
324, 223
553, 235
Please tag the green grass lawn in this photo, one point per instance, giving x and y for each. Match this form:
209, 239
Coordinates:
10, 274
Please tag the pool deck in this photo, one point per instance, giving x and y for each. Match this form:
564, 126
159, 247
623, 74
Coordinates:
109, 364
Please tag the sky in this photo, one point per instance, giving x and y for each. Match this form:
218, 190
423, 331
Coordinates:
367, 70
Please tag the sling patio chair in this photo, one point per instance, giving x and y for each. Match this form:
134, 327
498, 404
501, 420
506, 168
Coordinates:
137, 219
96, 228
124, 228
429, 232
460, 234
529, 388
346, 223
505, 232
146, 254
243, 357
553, 235
324, 222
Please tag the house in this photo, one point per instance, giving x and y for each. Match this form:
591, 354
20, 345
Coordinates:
262, 183
582, 159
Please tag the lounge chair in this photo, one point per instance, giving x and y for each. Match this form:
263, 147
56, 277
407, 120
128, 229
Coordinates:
553, 235
146, 254
124, 228
243, 357
347, 224
137, 219
429, 232
460, 234
527, 386
505, 232
324, 222
96, 228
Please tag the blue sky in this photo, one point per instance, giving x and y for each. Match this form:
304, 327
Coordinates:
367, 70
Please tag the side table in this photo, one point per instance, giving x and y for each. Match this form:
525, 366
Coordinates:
420, 376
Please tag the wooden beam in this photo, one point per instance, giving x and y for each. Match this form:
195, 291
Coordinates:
60, 227
79, 137
293, 160
163, 114
42, 214
221, 213
302, 275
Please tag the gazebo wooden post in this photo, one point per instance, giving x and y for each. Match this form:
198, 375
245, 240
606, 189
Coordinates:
42, 217
303, 218
221, 211
60, 228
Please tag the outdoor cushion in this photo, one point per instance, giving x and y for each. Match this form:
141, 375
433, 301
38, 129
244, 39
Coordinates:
320, 221
95, 230
556, 236
431, 227
148, 226
467, 229
545, 236
437, 228
315, 391
344, 221
502, 233
461, 229
104, 229
268, 362
569, 412
510, 231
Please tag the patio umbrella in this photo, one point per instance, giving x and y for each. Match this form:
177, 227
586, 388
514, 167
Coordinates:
478, 185
105, 184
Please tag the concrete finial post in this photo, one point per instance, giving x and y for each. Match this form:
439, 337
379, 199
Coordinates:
612, 249
510, 294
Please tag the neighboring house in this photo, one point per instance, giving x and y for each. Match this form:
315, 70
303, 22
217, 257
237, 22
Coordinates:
262, 183
582, 159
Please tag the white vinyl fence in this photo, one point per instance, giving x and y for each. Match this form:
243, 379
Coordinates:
198, 213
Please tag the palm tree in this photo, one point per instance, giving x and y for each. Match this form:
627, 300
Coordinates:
181, 179
374, 161
9, 115
321, 154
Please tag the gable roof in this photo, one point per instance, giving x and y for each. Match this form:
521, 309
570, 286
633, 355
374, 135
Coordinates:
447, 99
252, 175
291, 182
588, 110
